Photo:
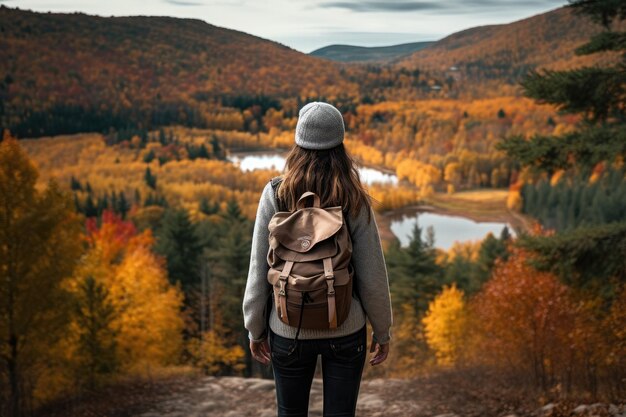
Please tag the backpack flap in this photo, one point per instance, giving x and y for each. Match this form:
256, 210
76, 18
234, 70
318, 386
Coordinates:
302, 230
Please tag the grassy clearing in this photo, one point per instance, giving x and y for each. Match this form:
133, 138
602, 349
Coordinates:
480, 205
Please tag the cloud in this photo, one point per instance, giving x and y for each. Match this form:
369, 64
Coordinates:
447, 7
184, 2
383, 6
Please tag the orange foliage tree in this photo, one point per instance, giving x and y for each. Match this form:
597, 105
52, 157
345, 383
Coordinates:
525, 319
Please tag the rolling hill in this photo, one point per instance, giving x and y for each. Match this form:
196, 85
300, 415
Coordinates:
503, 53
149, 69
351, 53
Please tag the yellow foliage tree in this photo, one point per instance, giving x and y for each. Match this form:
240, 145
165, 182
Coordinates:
146, 320
39, 246
444, 325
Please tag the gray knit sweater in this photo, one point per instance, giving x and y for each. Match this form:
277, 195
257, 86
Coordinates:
370, 279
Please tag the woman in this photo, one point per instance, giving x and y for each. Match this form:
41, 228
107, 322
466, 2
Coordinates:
319, 163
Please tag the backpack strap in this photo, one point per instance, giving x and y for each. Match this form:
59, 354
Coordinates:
282, 293
330, 281
355, 290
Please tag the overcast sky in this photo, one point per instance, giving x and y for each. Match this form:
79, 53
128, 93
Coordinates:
306, 25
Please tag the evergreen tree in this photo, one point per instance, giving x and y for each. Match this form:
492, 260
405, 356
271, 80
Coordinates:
149, 157
233, 212
415, 276
218, 152
123, 206
114, 200
90, 209
151, 180
597, 93
229, 259
462, 271
179, 243
207, 208
94, 314
75, 184
491, 249
103, 203
203, 152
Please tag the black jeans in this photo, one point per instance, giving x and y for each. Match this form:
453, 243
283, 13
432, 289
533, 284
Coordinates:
343, 359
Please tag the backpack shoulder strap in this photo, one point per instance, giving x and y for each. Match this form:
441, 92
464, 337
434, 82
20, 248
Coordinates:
276, 181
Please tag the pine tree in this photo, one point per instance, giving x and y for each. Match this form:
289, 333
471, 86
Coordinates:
207, 208
233, 212
149, 157
75, 184
203, 152
90, 209
178, 241
597, 93
490, 250
151, 180
415, 276
94, 314
123, 206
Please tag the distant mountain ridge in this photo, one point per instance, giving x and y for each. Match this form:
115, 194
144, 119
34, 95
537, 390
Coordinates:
351, 53
505, 52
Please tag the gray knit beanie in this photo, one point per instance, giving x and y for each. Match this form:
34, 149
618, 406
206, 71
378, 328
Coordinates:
320, 126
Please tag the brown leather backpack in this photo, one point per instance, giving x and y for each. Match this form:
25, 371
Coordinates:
310, 269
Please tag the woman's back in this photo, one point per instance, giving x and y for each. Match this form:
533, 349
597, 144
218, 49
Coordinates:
318, 163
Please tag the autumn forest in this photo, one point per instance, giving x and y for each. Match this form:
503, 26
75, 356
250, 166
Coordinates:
126, 227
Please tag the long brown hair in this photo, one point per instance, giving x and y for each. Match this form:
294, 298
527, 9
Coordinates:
330, 173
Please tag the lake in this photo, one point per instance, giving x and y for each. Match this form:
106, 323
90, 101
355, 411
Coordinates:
448, 229
273, 160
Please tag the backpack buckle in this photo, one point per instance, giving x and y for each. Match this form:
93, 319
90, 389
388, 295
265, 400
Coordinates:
283, 282
331, 287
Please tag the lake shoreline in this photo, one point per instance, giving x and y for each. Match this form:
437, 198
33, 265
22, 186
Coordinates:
516, 221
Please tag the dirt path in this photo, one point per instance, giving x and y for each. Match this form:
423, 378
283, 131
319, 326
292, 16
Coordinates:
238, 397
441, 394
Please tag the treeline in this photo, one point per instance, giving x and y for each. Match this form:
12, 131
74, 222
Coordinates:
171, 165
568, 202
